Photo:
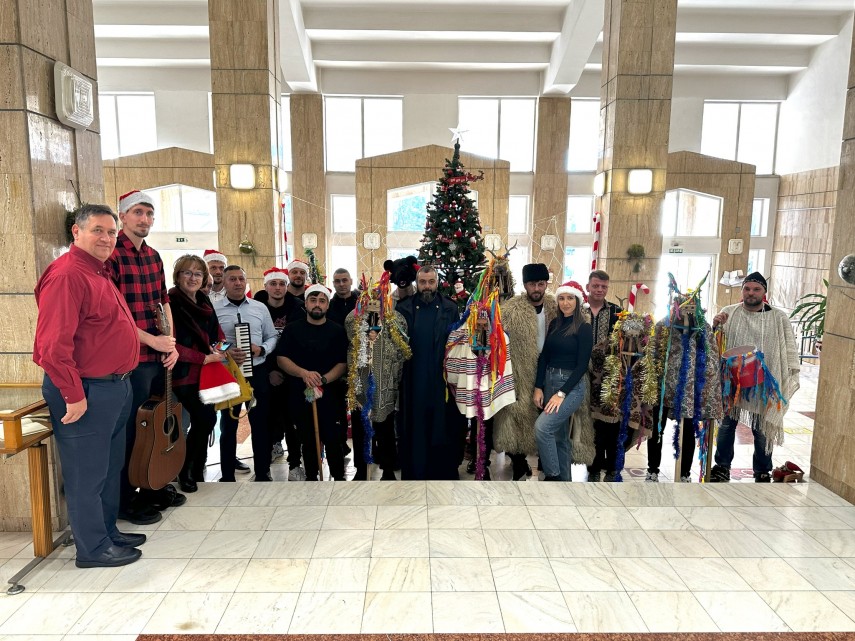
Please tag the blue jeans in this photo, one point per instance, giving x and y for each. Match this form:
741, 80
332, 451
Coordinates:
724, 446
552, 431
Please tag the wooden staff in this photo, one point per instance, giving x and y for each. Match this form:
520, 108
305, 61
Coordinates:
318, 439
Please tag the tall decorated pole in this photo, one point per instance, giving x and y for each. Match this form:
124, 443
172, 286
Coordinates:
452, 241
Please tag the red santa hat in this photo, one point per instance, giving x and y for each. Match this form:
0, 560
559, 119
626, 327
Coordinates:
317, 288
275, 273
214, 254
572, 287
135, 197
216, 384
298, 264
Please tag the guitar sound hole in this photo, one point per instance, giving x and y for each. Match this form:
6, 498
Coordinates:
170, 428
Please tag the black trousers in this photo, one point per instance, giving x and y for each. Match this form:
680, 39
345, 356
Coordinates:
330, 414
687, 448
261, 444
203, 418
281, 423
605, 446
92, 451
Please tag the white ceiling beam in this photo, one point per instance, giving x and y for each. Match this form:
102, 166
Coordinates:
151, 13
582, 25
295, 48
767, 22
152, 48
731, 55
404, 52
462, 83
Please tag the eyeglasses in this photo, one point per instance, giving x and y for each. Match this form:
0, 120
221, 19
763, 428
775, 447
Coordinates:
188, 274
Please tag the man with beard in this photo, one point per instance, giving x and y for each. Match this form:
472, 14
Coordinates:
137, 271
216, 264
431, 426
525, 318
237, 308
295, 300
313, 352
344, 300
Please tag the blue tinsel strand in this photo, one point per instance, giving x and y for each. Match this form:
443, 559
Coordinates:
626, 407
370, 389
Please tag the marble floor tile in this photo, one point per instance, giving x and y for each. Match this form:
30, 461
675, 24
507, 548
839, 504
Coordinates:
258, 613
343, 543
298, 517
645, 494
762, 518
277, 494
400, 543
273, 575
592, 495
69, 579
844, 600
495, 517
711, 575
457, 543
535, 612
399, 493
212, 495
585, 575
173, 544
619, 543
788, 543
245, 518
845, 513
807, 611
402, 517
285, 544
397, 613
603, 612
556, 517
350, 517
65, 610
118, 614
693, 495
449, 517
681, 543
195, 613
659, 518
399, 575
342, 575
523, 575
839, 542
148, 575
826, 574
35, 579
11, 543
466, 612
9, 605
607, 518
328, 613
468, 493
513, 543
814, 518
672, 612
567, 544
461, 575
192, 518
764, 574
229, 544
210, 575
711, 518
72, 637
740, 612
740, 543
654, 575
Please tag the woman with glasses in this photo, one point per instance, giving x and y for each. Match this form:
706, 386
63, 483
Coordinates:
196, 329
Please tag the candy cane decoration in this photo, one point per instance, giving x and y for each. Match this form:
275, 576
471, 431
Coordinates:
633, 291
595, 252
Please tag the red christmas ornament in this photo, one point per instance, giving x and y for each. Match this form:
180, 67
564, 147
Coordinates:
458, 233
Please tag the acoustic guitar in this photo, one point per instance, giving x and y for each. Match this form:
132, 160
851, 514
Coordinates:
159, 448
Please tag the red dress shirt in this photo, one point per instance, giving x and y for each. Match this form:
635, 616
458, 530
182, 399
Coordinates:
85, 328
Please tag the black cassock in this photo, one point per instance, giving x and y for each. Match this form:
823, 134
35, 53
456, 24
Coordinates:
430, 428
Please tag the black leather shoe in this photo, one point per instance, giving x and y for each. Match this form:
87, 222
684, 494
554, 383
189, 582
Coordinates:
187, 484
164, 498
241, 467
112, 557
139, 513
128, 539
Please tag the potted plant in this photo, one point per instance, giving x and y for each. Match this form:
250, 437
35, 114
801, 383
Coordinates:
809, 314
635, 254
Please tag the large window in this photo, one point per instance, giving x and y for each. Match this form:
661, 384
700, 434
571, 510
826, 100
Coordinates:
128, 124
760, 217
518, 215
689, 213
743, 131
583, 152
361, 127
499, 128
578, 238
285, 119
342, 245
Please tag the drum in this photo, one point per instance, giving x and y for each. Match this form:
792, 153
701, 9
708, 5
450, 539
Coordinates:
745, 367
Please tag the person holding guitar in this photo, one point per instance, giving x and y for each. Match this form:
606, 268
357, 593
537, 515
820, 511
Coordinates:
196, 330
137, 271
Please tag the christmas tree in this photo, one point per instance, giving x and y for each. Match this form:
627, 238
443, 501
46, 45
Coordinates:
452, 241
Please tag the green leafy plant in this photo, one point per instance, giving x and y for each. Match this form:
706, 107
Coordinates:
810, 312
635, 254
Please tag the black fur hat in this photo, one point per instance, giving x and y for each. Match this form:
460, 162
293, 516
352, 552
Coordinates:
403, 270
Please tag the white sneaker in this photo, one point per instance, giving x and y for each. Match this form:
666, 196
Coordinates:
297, 474
652, 477
685, 479
278, 452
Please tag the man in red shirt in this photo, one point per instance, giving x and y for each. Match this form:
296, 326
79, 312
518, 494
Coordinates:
137, 271
86, 342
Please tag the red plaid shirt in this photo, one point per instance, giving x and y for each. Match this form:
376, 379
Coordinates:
139, 276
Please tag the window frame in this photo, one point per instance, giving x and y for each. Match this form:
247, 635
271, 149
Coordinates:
500, 100
740, 104
362, 99
114, 95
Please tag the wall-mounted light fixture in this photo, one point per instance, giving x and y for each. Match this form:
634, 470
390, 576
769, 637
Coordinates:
242, 176
600, 184
281, 180
639, 181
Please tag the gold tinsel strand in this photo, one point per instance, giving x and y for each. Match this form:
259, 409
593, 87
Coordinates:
353, 369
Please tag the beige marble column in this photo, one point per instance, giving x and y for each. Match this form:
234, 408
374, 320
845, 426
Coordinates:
308, 180
549, 203
39, 159
638, 67
833, 448
245, 98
